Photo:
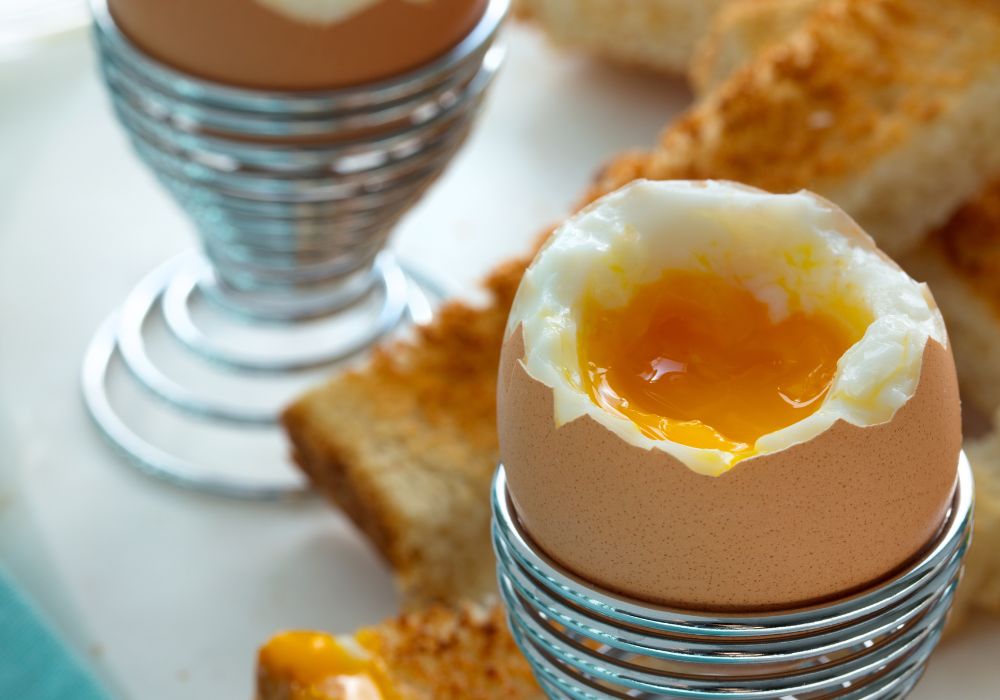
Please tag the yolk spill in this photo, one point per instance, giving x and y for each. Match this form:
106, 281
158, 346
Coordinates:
695, 359
316, 659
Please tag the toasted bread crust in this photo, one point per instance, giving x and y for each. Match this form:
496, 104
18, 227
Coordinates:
852, 85
848, 106
443, 654
739, 32
435, 654
421, 416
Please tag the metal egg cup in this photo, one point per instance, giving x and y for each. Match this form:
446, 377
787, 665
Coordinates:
294, 196
584, 642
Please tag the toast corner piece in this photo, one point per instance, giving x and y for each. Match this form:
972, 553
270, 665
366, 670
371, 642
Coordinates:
389, 446
313, 423
435, 654
453, 654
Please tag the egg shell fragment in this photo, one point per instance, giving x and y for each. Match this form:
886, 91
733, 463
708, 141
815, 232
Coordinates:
243, 43
814, 521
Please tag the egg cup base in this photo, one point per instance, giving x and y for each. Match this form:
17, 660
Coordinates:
584, 641
294, 195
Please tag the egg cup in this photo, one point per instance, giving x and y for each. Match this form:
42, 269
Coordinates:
294, 196
586, 642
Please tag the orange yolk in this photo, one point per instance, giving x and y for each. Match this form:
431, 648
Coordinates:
696, 359
317, 661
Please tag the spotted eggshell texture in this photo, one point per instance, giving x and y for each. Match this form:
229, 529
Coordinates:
244, 43
807, 523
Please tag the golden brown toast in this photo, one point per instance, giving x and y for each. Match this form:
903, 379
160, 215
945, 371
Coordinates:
741, 30
407, 445
961, 262
886, 107
436, 654
656, 34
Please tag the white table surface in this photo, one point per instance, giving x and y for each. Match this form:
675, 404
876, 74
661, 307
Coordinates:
169, 593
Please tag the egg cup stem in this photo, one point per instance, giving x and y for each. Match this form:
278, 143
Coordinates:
586, 642
294, 195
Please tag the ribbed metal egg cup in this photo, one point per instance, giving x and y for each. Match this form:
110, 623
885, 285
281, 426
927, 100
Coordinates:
587, 643
294, 195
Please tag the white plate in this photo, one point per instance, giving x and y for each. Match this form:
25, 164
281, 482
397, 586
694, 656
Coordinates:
173, 592
26, 22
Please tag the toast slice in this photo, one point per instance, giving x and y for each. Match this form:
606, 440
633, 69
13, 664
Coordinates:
741, 30
407, 445
886, 107
961, 263
436, 654
656, 34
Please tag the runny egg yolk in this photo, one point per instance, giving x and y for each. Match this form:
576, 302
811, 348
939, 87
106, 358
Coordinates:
315, 661
696, 359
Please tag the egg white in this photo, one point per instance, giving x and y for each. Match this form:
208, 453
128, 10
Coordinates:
775, 246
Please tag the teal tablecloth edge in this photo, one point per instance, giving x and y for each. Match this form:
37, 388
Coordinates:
34, 663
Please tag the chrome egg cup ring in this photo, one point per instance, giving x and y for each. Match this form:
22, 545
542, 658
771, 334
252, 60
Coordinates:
294, 195
288, 105
586, 642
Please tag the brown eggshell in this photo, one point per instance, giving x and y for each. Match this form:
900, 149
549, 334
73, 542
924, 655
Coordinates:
243, 43
811, 522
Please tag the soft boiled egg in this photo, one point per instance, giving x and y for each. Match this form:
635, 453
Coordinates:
296, 44
718, 398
